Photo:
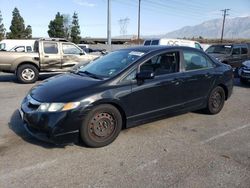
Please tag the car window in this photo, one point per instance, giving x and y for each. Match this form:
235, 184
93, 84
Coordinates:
147, 42
70, 49
155, 42
19, 49
236, 51
112, 63
219, 49
162, 64
198, 46
28, 48
50, 48
243, 50
130, 76
195, 60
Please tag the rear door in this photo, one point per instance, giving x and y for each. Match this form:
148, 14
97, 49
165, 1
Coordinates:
50, 56
198, 77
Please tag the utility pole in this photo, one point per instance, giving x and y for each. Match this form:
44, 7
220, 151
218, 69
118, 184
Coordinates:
139, 21
223, 24
109, 23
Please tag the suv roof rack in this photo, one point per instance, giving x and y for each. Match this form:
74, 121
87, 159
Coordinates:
54, 39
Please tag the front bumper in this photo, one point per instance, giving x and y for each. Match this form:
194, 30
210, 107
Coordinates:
53, 127
244, 74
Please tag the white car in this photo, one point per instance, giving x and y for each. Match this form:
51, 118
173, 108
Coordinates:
173, 42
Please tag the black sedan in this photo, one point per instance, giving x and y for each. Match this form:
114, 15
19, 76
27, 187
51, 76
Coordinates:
123, 89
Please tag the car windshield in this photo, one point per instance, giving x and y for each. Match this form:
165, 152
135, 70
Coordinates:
220, 49
111, 64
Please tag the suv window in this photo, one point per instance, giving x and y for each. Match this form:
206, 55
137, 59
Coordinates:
147, 42
236, 51
50, 48
70, 49
195, 61
162, 64
243, 50
155, 42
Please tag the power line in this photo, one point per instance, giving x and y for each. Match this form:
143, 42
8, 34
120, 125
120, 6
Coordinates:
123, 25
223, 23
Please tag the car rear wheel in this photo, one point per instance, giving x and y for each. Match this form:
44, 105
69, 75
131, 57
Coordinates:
27, 74
216, 100
101, 126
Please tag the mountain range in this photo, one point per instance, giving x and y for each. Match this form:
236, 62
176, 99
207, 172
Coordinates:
238, 27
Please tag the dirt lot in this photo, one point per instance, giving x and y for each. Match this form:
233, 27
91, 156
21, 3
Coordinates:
188, 150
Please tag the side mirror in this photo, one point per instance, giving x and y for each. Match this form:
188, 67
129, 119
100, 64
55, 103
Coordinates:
82, 53
145, 75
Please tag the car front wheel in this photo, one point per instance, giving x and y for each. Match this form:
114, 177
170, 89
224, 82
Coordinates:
216, 100
101, 126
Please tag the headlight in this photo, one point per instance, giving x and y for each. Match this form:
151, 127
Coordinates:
55, 107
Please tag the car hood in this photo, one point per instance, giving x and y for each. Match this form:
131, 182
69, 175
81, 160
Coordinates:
63, 88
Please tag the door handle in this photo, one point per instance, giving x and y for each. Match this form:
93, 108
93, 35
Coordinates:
46, 56
175, 81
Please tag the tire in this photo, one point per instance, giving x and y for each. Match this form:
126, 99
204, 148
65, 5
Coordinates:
215, 100
27, 74
101, 126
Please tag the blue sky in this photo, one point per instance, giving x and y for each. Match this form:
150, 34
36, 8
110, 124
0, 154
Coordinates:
157, 16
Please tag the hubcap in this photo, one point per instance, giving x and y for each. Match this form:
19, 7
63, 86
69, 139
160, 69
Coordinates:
102, 126
28, 74
216, 100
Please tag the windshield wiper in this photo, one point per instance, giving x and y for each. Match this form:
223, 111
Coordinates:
90, 74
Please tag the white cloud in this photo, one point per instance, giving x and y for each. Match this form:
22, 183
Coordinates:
84, 3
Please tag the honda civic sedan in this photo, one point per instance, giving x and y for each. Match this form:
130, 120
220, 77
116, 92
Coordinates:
123, 89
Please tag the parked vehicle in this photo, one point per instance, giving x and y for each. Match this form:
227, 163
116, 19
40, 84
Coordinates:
54, 55
244, 72
173, 42
122, 89
231, 54
17, 45
89, 50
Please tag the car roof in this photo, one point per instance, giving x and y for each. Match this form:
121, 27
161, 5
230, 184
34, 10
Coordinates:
147, 49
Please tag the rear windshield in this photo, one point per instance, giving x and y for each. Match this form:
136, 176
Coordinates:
219, 49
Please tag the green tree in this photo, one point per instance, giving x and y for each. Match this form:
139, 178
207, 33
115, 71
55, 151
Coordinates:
67, 25
2, 29
17, 28
28, 32
75, 29
56, 27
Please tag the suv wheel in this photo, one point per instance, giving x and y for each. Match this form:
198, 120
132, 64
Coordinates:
216, 100
101, 126
27, 74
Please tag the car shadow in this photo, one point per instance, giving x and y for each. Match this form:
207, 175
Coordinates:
6, 77
16, 125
